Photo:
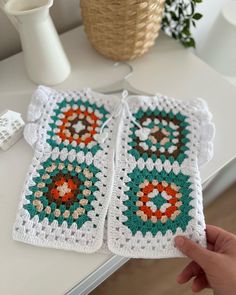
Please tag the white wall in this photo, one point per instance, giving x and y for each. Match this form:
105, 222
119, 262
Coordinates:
210, 10
66, 15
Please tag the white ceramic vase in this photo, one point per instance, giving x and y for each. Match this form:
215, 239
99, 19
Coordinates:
45, 59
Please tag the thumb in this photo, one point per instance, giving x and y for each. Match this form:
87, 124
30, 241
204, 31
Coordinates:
200, 255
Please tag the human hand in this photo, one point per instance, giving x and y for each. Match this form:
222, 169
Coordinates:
214, 267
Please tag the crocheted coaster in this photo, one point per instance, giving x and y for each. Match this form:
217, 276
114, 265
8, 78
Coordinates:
65, 196
157, 192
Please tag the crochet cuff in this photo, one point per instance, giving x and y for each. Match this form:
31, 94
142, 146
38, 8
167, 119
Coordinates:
207, 132
36, 108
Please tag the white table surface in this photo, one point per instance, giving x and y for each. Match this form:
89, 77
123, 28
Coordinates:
168, 68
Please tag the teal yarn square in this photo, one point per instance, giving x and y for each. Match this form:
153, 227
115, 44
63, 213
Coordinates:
157, 201
168, 136
63, 191
75, 124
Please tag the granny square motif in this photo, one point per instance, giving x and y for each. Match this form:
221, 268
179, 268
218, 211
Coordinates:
111, 174
157, 191
65, 196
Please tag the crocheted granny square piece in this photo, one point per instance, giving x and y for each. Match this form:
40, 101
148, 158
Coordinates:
66, 192
157, 190
111, 174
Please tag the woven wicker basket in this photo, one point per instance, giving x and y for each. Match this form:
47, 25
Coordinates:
122, 29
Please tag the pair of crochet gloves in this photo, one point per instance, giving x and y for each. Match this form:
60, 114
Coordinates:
111, 174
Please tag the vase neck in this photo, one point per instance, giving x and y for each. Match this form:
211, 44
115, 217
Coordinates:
27, 7
28, 11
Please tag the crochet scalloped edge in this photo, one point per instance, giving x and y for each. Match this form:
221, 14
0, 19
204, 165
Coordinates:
38, 100
35, 110
207, 134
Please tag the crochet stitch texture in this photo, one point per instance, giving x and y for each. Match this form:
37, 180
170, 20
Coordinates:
135, 160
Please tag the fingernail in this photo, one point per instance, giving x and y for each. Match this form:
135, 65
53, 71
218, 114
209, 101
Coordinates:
179, 241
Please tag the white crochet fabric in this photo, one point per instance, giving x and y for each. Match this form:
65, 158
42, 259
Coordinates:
134, 160
131, 232
86, 235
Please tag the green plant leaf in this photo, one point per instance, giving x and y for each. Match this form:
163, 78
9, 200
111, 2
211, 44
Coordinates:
197, 16
174, 16
186, 31
189, 43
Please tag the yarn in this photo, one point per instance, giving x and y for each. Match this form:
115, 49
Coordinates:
133, 161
